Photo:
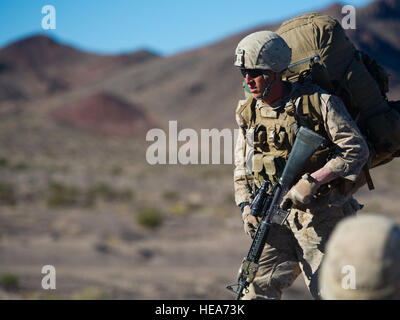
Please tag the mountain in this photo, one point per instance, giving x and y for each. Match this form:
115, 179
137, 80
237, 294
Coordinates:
106, 114
377, 33
198, 88
38, 66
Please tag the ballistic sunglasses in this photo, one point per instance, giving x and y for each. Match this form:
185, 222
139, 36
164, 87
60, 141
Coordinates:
253, 73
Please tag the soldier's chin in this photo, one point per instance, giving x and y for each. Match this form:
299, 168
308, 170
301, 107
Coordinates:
256, 95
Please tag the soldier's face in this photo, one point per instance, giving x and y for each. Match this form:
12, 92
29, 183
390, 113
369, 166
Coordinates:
256, 85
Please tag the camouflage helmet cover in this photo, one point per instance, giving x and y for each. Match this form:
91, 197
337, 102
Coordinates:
264, 50
370, 244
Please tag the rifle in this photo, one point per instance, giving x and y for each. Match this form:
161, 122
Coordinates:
267, 205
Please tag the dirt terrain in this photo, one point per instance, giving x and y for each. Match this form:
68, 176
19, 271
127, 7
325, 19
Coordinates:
103, 252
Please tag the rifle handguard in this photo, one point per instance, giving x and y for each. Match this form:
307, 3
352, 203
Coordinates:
259, 200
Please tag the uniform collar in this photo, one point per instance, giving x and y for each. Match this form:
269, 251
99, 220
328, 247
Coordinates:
289, 89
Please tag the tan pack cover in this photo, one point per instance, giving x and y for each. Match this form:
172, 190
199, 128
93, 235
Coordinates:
315, 34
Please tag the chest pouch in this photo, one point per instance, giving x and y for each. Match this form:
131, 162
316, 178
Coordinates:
258, 168
261, 141
267, 167
273, 167
277, 137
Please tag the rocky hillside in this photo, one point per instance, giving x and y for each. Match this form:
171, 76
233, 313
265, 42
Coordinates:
104, 113
77, 192
198, 88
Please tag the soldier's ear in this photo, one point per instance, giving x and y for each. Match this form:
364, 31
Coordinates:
274, 75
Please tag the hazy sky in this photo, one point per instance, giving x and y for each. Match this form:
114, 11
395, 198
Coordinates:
165, 26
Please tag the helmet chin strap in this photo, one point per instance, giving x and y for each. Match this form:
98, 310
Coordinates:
269, 85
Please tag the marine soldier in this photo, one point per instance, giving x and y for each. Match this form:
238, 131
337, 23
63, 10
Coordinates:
362, 260
268, 121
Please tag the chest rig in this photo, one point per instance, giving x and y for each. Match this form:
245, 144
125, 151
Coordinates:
270, 132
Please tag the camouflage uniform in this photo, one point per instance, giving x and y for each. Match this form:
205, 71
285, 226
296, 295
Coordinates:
266, 136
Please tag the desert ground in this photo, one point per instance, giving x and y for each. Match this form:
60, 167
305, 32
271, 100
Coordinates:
189, 248
76, 190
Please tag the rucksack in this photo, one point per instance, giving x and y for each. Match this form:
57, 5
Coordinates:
322, 52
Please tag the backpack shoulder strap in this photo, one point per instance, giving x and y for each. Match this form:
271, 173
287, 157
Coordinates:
312, 109
311, 106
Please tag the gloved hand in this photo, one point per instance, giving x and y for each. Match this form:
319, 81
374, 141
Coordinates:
250, 222
301, 193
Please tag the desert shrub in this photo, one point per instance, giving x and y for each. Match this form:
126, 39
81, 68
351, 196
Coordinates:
104, 191
183, 208
42, 295
9, 281
171, 195
149, 218
92, 293
116, 170
180, 209
66, 196
20, 166
193, 206
102, 247
7, 194
3, 162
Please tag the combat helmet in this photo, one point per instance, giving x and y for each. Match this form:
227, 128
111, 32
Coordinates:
263, 50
